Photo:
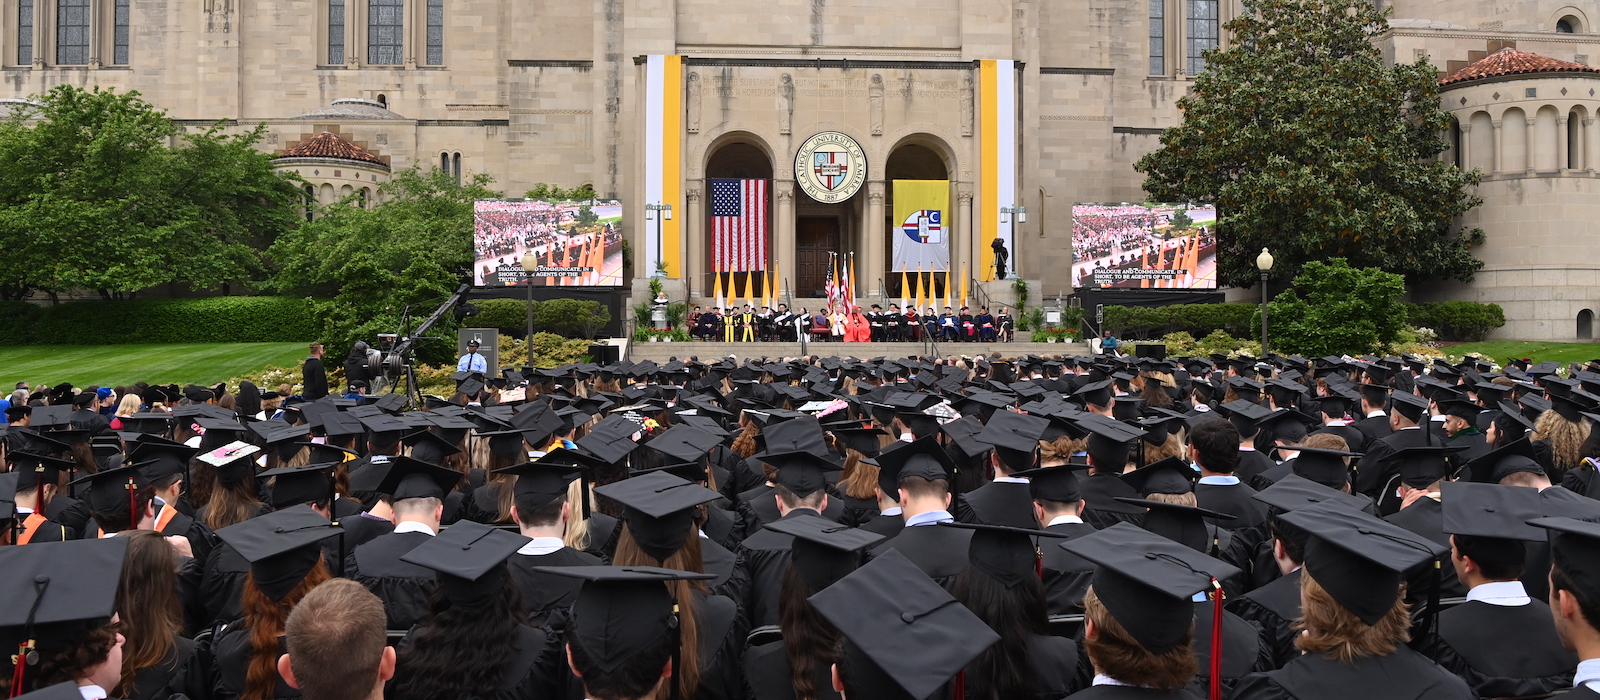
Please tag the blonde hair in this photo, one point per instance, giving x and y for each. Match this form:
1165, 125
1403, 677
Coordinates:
1564, 437
1182, 499
1115, 653
577, 535
131, 403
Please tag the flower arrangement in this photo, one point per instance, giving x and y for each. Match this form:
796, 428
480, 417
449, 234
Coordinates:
1058, 334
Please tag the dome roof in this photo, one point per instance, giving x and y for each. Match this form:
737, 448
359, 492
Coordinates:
351, 108
330, 145
1513, 62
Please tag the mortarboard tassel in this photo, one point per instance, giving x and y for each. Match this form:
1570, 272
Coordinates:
676, 681
133, 498
1216, 640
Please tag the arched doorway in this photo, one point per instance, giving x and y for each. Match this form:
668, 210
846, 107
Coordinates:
1585, 325
739, 219
915, 161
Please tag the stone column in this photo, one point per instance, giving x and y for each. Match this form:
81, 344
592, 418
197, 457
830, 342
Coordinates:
1527, 147
967, 231
1589, 144
872, 241
1562, 162
1499, 146
694, 233
783, 234
1465, 150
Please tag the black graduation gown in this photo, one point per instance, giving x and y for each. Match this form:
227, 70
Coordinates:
857, 511
315, 381
1476, 444
522, 678
1252, 465
404, 588
723, 527
1274, 608
222, 585
766, 557
231, 652
1502, 651
70, 512
201, 539
940, 552
1234, 500
722, 633
1099, 492
1377, 478
1425, 517
1244, 649
1373, 427
765, 508
1355, 439
998, 503
483, 506
1125, 692
544, 594
50, 531
1066, 576
732, 579
1583, 480
1401, 675
886, 525
1055, 666
360, 529
604, 531
766, 671
182, 670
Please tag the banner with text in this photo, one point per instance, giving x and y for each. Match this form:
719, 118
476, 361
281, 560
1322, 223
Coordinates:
1144, 246
574, 243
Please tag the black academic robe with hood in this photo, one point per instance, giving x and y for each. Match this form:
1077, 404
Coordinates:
1502, 651
940, 552
1066, 576
766, 558
404, 588
1233, 499
182, 670
1401, 675
523, 677
544, 595
1274, 608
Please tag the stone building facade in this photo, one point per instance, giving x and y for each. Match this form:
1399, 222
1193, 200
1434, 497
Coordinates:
559, 91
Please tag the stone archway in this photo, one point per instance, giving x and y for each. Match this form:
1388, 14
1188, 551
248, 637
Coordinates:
743, 157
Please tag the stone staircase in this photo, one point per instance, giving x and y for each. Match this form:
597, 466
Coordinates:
708, 352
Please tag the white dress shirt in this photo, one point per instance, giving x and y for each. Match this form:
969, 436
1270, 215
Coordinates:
1065, 520
541, 546
1509, 594
413, 526
932, 517
1588, 674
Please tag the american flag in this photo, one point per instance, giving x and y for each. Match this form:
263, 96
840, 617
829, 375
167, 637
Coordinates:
738, 225
831, 286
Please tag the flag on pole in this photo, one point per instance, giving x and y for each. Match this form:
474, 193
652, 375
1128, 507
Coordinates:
847, 287
922, 291
738, 225
904, 290
831, 286
947, 286
963, 283
716, 286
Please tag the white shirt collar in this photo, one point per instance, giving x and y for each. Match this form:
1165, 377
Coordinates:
1202, 408
92, 692
1338, 423
1009, 480
1101, 679
413, 526
1375, 414
891, 511
1588, 674
1065, 520
107, 535
1220, 480
1438, 419
541, 546
1247, 448
932, 517
1509, 594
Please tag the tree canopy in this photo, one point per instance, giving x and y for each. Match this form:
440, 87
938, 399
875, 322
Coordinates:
370, 264
1309, 145
1336, 309
96, 195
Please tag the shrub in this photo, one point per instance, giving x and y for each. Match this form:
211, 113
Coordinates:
1465, 321
1196, 319
1183, 344
213, 320
1335, 309
510, 316
571, 318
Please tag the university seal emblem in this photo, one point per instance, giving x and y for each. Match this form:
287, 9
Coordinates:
830, 167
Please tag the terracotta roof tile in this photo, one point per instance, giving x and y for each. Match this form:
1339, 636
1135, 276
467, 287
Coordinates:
331, 145
1513, 62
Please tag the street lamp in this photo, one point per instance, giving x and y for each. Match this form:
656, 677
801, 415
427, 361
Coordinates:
663, 213
529, 265
1016, 214
1264, 263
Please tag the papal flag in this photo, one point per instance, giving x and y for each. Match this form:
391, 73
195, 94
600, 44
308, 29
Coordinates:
921, 215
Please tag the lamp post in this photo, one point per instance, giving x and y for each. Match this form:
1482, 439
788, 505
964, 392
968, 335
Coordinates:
663, 212
1015, 215
529, 265
1264, 264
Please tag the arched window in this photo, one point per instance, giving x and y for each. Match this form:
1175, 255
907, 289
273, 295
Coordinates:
1585, 324
457, 167
72, 32
385, 32
1568, 25
366, 198
335, 32
444, 162
384, 101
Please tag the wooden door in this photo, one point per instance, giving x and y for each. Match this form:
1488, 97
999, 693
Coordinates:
815, 238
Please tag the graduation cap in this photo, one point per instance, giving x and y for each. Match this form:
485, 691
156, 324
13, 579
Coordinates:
1148, 582
1109, 440
1409, 405
823, 551
232, 462
540, 482
1511, 458
159, 460
56, 595
428, 446
1287, 424
1244, 415
469, 558
34, 469
684, 443
1015, 436
803, 433
1095, 393
659, 509
297, 485
1423, 465
112, 492
285, 439
1359, 559
147, 422
1183, 524
1322, 465
282, 547
1168, 476
1010, 555
612, 438
1160, 426
1295, 492
408, 477
982, 403
1491, 510
861, 439
922, 458
386, 431
1058, 483
903, 634
622, 610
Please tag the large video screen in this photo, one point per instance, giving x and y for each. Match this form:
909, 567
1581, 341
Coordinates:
575, 243
1144, 246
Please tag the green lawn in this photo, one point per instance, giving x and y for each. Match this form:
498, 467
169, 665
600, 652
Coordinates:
197, 363
1501, 350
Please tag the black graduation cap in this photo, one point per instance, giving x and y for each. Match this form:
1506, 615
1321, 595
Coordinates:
612, 438
860, 437
1574, 549
1008, 554
112, 492
428, 446
408, 477
469, 557
1409, 405
684, 443
1158, 427
1183, 524
161, 459
281, 547
903, 634
54, 595
921, 458
540, 482
1109, 440
1097, 393
1423, 465
823, 551
1491, 510
1148, 582
297, 485
34, 469
659, 509
964, 433
286, 438
385, 430
1169, 476
1511, 458
1294, 492
1359, 559
1322, 465
147, 422
1058, 483
800, 471
1244, 415
621, 610
1017, 433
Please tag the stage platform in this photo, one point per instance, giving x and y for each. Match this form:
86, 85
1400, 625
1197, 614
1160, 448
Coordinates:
708, 352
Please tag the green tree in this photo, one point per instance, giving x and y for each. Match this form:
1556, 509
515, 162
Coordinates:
93, 197
586, 215
545, 190
370, 265
1336, 309
1310, 145
1181, 221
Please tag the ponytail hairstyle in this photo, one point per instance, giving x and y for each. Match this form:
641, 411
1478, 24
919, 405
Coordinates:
687, 558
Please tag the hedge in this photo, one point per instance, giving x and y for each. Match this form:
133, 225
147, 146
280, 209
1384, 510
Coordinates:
569, 318
213, 320
1466, 321
1198, 320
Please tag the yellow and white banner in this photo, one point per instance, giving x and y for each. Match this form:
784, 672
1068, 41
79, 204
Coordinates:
997, 178
921, 213
663, 126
